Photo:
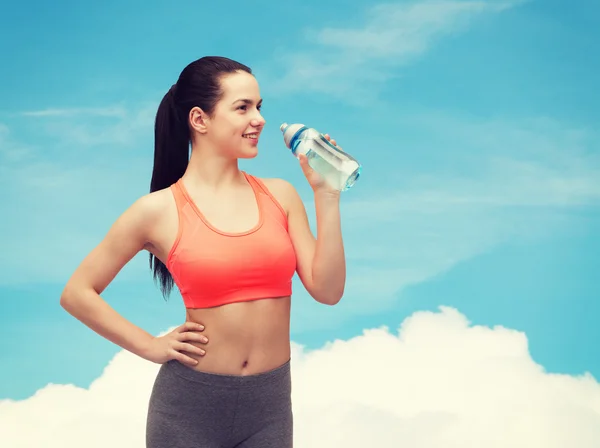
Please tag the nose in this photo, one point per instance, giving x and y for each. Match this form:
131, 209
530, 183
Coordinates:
258, 121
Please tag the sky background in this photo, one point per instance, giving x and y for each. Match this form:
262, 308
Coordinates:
472, 236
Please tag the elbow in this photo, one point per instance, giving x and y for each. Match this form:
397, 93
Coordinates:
326, 289
329, 297
68, 299
65, 300
330, 300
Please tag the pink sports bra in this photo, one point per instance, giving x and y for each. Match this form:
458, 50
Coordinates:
212, 268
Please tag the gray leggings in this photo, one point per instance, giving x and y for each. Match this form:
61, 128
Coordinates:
191, 409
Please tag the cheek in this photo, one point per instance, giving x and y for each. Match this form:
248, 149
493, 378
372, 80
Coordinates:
232, 128
227, 129
226, 132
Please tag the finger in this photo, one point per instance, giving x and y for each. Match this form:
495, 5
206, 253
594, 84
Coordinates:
192, 326
192, 336
306, 168
183, 327
303, 161
333, 142
183, 358
327, 136
185, 347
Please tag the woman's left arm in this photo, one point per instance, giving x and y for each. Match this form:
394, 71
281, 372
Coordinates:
321, 261
329, 260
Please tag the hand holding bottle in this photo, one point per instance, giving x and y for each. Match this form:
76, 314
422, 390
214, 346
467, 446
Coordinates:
316, 181
325, 165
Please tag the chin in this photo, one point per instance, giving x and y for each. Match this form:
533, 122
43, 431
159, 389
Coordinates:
248, 153
244, 151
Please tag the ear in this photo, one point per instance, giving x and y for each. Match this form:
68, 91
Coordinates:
198, 120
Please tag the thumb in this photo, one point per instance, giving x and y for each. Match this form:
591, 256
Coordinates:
304, 164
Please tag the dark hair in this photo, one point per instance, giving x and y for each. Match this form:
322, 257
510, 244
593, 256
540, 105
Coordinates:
199, 85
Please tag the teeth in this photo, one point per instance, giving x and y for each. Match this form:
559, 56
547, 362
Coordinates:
250, 135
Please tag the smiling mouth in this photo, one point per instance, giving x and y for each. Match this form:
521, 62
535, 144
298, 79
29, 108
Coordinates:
252, 136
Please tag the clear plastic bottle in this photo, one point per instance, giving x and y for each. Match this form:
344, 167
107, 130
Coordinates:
339, 169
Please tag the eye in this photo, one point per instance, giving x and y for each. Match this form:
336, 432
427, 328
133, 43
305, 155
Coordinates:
244, 107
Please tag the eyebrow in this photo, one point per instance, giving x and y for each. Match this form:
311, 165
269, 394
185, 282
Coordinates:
247, 101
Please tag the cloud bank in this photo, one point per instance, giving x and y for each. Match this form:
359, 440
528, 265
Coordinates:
436, 382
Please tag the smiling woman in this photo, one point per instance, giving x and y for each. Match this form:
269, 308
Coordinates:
231, 243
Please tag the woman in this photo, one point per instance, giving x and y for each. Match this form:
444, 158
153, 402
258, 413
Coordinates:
231, 242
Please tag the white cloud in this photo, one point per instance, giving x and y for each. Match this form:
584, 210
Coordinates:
359, 59
67, 131
114, 111
438, 382
72, 129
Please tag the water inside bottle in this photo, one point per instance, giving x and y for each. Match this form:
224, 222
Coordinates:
337, 168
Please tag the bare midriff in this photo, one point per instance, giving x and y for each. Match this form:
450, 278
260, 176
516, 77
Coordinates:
244, 338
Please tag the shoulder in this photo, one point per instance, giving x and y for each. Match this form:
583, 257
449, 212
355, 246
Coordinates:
277, 185
149, 209
283, 191
152, 204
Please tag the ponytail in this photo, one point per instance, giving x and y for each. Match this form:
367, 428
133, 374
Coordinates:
171, 157
171, 143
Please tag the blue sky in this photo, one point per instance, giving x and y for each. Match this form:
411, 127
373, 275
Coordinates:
476, 123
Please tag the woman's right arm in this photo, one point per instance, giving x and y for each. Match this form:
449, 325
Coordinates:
81, 295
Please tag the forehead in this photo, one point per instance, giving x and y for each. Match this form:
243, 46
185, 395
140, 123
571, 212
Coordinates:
240, 85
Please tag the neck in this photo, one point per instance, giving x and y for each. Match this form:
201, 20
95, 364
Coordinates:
208, 169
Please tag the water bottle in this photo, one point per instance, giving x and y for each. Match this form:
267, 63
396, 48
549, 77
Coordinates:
337, 168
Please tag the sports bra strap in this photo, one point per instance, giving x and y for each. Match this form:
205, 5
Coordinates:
180, 199
260, 184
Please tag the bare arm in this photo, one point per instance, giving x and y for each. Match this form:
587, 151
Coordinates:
81, 295
321, 261
329, 260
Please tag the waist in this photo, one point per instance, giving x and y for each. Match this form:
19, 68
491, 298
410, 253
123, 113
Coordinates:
244, 338
267, 378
